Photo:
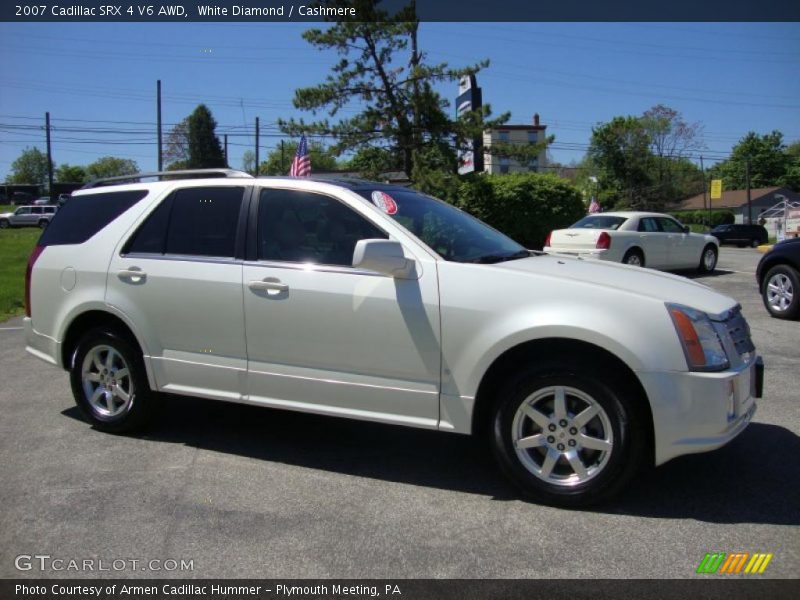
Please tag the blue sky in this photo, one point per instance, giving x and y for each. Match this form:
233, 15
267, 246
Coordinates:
98, 80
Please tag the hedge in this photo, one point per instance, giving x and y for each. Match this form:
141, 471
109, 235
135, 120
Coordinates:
700, 217
524, 206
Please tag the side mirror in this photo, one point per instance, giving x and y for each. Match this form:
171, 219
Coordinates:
686, 229
384, 256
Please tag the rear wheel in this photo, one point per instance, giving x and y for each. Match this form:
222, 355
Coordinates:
754, 243
109, 382
565, 437
634, 257
708, 259
43, 224
780, 293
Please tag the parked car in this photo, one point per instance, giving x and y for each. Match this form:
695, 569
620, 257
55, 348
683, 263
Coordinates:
376, 302
62, 199
28, 216
741, 235
641, 239
778, 277
42, 201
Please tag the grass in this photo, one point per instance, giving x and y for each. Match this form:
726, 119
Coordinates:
15, 248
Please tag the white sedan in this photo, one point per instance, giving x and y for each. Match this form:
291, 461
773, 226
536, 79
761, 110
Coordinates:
636, 238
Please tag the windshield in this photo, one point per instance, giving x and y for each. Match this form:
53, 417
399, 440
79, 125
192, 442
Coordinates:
448, 231
599, 222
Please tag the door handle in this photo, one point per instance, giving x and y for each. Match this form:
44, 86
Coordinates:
268, 285
133, 274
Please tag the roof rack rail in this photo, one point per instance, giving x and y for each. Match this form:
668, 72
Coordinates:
170, 174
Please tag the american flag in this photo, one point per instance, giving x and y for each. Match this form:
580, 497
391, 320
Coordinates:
594, 206
301, 165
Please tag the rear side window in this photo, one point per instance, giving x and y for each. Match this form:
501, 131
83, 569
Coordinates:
192, 221
84, 216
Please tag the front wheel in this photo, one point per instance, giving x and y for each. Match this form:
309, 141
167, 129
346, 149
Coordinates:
780, 293
708, 259
109, 382
4, 224
566, 438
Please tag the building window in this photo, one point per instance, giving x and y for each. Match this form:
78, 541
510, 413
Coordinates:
504, 136
533, 137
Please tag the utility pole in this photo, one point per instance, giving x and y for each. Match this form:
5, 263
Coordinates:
705, 189
283, 169
158, 125
49, 157
256, 169
227, 164
749, 203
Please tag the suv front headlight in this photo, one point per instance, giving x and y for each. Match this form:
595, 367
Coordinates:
701, 344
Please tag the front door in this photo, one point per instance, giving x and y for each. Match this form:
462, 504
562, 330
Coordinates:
325, 337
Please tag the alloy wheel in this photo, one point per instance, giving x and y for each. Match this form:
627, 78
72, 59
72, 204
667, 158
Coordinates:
562, 435
780, 292
106, 381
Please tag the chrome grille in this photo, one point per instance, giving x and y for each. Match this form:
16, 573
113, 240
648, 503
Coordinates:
739, 331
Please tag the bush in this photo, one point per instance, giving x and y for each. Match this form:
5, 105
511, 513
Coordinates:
700, 217
524, 206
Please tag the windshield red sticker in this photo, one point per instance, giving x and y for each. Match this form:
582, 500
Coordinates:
385, 202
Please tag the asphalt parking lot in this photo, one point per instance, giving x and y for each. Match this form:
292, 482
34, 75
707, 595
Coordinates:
249, 492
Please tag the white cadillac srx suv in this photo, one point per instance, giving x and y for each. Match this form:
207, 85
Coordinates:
356, 299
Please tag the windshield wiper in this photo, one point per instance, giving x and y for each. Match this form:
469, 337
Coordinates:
496, 258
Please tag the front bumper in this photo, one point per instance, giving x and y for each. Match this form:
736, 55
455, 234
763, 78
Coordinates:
697, 412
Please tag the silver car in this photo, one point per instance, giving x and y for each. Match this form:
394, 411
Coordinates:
28, 216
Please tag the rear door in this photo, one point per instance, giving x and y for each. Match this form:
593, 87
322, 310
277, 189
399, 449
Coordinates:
23, 216
653, 241
178, 279
683, 249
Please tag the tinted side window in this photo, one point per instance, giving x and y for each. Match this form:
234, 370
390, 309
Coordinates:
670, 226
84, 216
648, 224
299, 226
203, 221
151, 237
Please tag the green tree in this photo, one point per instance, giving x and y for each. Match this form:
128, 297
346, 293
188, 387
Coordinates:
204, 149
770, 162
71, 174
249, 162
278, 162
620, 151
111, 166
29, 167
176, 149
382, 69
373, 161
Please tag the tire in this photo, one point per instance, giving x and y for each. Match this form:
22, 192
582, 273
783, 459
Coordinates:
633, 257
708, 259
754, 243
526, 408
127, 404
43, 224
4, 224
781, 292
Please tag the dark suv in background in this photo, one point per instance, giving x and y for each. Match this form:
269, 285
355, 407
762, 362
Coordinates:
741, 235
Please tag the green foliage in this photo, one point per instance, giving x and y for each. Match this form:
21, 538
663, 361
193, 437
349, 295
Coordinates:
71, 174
15, 248
29, 167
371, 162
641, 162
524, 206
771, 163
701, 217
111, 166
277, 163
204, 149
382, 69
176, 149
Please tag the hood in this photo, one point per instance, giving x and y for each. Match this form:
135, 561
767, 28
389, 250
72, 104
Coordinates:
625, 279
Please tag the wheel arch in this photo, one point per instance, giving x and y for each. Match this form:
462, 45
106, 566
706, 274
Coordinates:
565, 349
94, 318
